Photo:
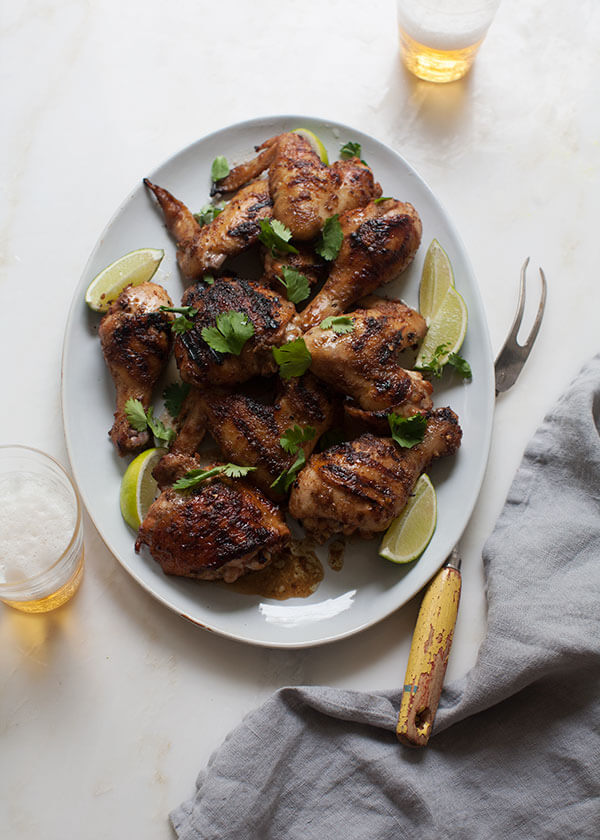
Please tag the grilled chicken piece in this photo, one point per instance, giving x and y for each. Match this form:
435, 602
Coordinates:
364, 363
304, 190
380, 240
204, 248
191, 428
217, 531
306, 261
248, 432
136, 342
269, 313
361, 486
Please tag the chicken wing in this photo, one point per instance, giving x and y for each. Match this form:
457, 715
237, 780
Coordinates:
204, 248
306, 261
218, 531
364, 363
136, 342
304, 190
361, 486
249, 431
380, 240
269, 313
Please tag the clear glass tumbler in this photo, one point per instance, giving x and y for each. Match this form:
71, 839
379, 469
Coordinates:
439, 39
41, 531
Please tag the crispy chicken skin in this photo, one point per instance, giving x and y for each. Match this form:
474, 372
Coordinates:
380, 241
304, 190
204, 248
136, 341
359, 487
217, 531
269, 313
248, 432
364, 363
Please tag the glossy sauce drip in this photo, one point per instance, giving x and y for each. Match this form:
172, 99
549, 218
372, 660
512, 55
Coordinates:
294, 574
336, 554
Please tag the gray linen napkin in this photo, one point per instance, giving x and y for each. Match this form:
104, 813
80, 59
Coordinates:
516, 747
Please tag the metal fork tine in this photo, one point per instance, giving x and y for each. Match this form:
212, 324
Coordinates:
538, 318
517, 320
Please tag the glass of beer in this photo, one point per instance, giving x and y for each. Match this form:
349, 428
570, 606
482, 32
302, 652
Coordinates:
440, 38
41, 531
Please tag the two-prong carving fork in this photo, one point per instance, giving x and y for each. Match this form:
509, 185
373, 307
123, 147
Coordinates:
432, 637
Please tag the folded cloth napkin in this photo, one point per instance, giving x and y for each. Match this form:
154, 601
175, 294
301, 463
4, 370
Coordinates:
516, 748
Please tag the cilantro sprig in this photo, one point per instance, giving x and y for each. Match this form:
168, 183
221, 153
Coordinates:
292, 439
174, 395
350, 150
208, 213
407, 431
285, 479
293, 358
338, 323
183, 323
219, 168
140, 420
331, 240
193, 478
276, 236
296, 284
435, 365
232, 331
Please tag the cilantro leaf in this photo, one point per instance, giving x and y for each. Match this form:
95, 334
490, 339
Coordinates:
183, 323
460, 365
338, 323
293, 358
136, 414
293, 438
296, 284
219, 168
208, 279
382, 198
276, 236
208, 213
434, 365
284, 480
350, 150
193, 478
174, 395
141, 420
331, 239
407, 431
232, 331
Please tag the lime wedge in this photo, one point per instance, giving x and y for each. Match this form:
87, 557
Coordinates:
138, 487
409, 534
315, 142
436, 279
446, 330
131, 269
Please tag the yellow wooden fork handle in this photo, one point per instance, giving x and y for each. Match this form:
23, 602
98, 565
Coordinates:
428, 658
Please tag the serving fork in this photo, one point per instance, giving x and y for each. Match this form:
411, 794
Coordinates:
434, 629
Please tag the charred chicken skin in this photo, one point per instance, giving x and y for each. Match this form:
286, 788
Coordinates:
204, 248
217, 531
359, 487
380, 240
305, 191
136, 341
267, 310
249, 432
363, 364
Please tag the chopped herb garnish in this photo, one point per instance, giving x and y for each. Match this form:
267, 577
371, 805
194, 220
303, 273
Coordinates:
293, 358
195, 477
284, 480
293, 438
382, 198
460, 365
296, 284
350, 150
174, 395
407, 431
435, 365
140, 420
219, 168
183, 323
232, 331
276, 236
208, 213
208, 279
331, 239
337, 323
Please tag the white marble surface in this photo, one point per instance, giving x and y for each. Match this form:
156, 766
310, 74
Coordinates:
110, 706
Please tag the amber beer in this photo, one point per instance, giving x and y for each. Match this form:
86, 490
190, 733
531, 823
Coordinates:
439, 39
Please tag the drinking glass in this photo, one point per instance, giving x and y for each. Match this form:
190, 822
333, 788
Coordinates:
41, 532
439, 39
